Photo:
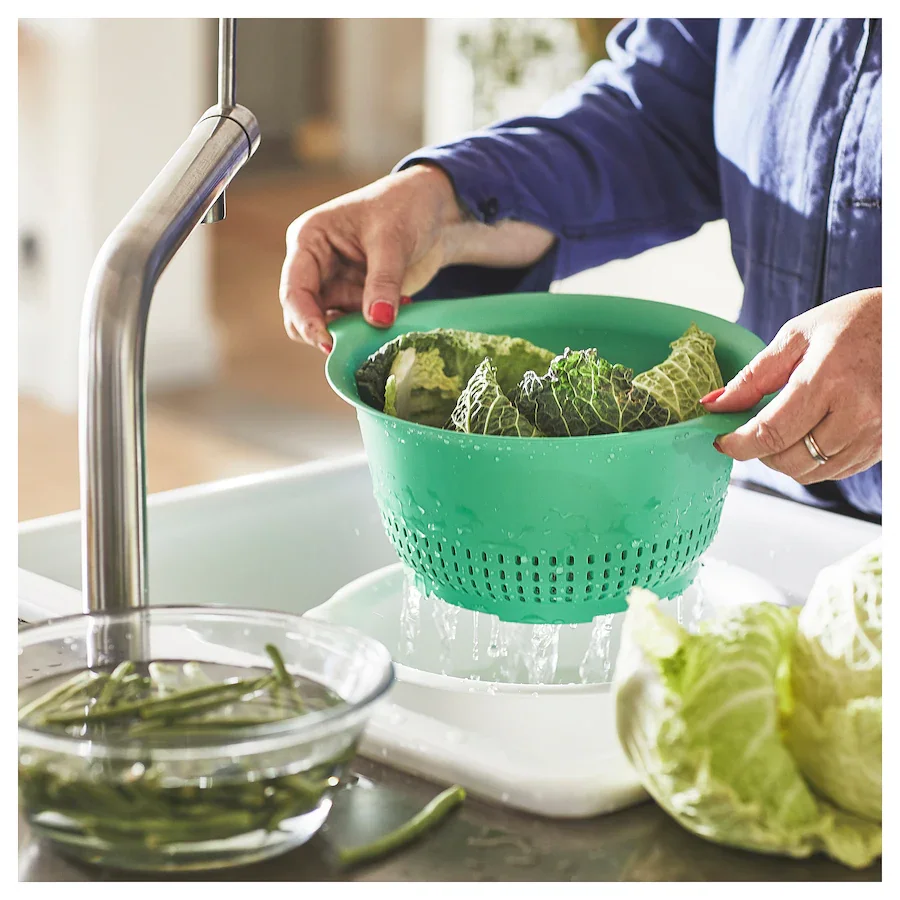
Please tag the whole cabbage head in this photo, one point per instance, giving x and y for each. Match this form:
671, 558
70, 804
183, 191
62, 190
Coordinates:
834, 730
701, 717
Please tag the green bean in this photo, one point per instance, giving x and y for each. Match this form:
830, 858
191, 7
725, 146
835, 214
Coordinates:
423, 821
170, 705
111, 688
141, 803
61, 692
285, 678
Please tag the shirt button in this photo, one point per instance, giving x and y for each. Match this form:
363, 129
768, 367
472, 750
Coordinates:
489, 208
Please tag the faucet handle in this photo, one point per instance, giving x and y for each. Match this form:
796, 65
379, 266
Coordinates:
227, 90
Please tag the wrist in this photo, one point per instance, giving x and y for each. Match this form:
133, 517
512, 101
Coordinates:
441, 193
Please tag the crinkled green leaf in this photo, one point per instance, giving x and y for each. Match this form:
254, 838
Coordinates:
483, 408
583, 394
700, 718
430, 370
687, 374
834, 730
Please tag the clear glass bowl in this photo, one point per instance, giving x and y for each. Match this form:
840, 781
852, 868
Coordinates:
181, 803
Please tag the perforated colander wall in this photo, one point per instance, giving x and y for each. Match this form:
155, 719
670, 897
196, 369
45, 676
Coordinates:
541, 575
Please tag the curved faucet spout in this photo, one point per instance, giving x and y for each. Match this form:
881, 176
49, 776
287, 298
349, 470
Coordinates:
114, 324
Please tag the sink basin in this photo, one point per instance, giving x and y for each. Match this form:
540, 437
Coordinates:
284, 540
289, 540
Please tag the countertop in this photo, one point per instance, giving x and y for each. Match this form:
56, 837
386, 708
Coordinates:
481, 843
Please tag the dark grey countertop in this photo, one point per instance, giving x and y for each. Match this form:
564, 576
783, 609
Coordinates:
482, 843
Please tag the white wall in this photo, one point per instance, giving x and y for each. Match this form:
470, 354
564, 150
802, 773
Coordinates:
697, 272
378, 75
103, 104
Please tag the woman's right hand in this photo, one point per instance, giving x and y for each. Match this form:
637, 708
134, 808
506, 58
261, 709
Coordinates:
368, 249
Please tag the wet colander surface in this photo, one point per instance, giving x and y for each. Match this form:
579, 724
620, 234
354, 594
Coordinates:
548, 530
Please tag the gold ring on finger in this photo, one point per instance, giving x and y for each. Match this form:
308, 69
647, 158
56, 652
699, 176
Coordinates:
814, 450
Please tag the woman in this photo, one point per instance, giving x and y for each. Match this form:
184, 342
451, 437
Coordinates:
774, 125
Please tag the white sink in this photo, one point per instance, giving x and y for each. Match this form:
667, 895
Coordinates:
286, 540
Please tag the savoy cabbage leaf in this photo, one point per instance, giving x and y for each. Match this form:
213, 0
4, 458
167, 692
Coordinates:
687, 374
700, 717
584, 394
419, 376
483, 408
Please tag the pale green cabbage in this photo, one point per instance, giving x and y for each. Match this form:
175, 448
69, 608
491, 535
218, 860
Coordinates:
433, 377
701, 718
483, 408
583, 394
689, 373
834, 730
419, 376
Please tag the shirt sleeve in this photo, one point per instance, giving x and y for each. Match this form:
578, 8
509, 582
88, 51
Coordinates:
623, 161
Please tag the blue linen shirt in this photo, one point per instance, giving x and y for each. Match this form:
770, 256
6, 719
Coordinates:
773, 124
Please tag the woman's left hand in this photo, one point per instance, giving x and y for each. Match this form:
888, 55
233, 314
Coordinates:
828, 362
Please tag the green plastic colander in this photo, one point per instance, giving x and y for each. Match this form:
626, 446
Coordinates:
548, 530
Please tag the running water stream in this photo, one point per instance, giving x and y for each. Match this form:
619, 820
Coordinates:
449, 640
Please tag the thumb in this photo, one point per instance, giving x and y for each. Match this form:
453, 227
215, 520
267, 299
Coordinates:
385, 268
766, 373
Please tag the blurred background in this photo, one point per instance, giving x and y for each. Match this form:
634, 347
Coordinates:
103, 104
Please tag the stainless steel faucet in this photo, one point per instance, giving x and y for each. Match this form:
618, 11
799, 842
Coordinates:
188, 191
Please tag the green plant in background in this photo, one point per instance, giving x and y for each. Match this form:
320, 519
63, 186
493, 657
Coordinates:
504, 54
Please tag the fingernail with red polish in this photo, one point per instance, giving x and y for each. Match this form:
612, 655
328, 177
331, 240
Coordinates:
326, 348
382, 313
713, 395
405, 301
718, 446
